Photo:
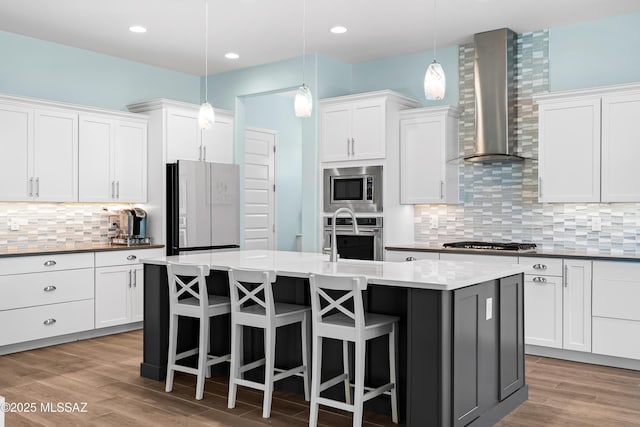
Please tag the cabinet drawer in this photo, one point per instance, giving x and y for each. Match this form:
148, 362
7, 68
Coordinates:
403, 255
615, 337
616, 298
493, 259
46, 321
124, 257
41, 263
542, 266
27, 290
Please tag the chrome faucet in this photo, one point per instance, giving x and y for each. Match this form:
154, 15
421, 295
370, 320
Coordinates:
333, 256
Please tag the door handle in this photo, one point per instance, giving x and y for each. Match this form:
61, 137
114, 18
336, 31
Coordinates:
131, 257
49, 263
441, 190
38, 187
566, 276
31, 187
353, 146
204, 149
50, 288
348, 152
200, 153
540, 279
410, 258
135, 278
49, 322
118, 189
129, 278
539, 266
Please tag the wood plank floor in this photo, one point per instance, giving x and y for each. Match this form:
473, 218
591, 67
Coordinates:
104, 372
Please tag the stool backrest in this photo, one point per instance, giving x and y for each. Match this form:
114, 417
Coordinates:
344, 296
261, 294
182, 280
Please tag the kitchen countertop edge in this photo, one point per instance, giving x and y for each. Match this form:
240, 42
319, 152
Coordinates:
71, 250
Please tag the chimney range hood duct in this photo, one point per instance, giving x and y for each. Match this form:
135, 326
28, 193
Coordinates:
494, 81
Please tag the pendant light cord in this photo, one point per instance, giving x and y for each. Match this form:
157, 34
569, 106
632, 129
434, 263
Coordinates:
304, 36
434, 29
206, 50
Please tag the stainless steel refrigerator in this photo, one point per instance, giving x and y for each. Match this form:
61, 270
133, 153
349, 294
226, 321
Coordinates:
203, 206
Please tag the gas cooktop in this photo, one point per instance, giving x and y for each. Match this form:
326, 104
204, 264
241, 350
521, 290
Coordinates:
510, 246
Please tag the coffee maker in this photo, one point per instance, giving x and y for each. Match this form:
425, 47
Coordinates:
132, 228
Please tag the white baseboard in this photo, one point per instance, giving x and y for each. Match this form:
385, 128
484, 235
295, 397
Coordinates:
46, 342
579, 356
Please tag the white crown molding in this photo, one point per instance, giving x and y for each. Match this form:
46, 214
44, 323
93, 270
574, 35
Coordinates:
588, 92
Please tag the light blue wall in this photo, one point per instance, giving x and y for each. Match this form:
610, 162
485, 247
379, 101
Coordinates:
595, 53
405, 74
40, 69
275, 112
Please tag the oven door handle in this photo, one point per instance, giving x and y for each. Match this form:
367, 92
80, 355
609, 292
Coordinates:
350, 232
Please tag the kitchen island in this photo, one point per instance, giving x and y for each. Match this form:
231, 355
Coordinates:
461, 340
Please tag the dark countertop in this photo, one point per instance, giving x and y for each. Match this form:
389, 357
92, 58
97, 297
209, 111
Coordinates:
557, 253
71, 248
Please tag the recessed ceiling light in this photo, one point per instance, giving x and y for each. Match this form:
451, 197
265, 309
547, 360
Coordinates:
137, 29
338, 29
231, 55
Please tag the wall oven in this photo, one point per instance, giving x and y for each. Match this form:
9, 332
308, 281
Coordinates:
366, 245
356, 188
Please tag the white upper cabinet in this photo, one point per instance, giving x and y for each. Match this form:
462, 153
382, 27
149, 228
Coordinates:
355, 127
569, 150
428, 147
113, 159
16, 142
620, 147
186, 141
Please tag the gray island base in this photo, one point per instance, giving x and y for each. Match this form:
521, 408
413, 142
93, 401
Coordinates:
461, 340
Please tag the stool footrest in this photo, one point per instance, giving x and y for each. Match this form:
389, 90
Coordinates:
247, 383
214, 360
333, 381
186, 353
377, 392
252, 365
288, 373
335, 404
185, 369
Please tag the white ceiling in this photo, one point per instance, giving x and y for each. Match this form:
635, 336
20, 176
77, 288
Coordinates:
263, 31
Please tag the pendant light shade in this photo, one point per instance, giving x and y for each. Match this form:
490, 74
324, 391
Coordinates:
303, 103
206, 116
435, 82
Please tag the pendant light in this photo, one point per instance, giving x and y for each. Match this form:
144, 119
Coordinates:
303, 103
435, 81
206, 116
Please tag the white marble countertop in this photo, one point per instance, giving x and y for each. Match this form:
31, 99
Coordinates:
425, 274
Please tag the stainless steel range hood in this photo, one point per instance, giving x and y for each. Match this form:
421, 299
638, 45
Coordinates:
495, 89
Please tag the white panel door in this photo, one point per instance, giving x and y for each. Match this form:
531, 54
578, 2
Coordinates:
620, 148
368, 130
131, 161
95, 159
335, 132
422, 160
217, 142
569, 134
259, 190
16, 143
183, 136
543, 311
112, 295
55, 156
577, 305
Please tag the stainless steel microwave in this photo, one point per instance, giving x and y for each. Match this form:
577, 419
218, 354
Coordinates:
357, 188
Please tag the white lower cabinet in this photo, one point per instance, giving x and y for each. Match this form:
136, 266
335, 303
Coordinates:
119, 293
616, 309
493, 259
410, 255
577, 305
543, 310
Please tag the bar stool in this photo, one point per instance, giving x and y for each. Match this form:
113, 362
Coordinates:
256, 308
199, 305
333, 317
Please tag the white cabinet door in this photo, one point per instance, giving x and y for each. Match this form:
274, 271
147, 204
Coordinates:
95, 159
217, 142
569, 135
620, 148
55, 156
136, 297
16, 143
112, 295
396, 256
130, 161
368, 130
336, 132
577, 305
183, 135
543, 310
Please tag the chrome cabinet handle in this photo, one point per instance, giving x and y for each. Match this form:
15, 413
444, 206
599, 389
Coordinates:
204, 149
540, 279
566, 276
113, 189
539, 266
30, 187
353, 146
50, 288
38, 187
540, 187
129, 279
200, 153
131, 257
441, 189
49, 263
118, 189
135, 279
348, 152
49, 322
410, 258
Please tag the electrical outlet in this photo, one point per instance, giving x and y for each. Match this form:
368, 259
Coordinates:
596, 223
14, 225
434, 221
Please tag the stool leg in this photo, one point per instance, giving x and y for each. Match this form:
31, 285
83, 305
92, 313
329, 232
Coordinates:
393, 348
358, 392
202, 356
171, 357
236, 362
270, 355
304, 328
316, 372
208, 374
345, 363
